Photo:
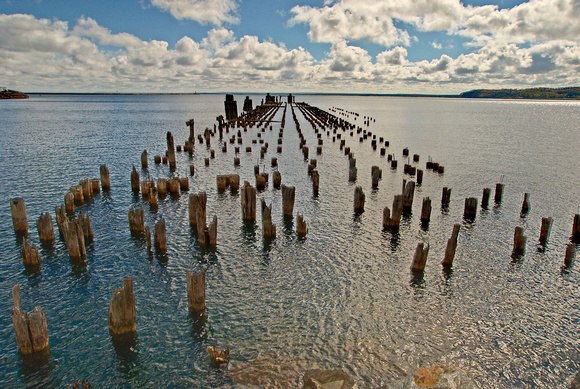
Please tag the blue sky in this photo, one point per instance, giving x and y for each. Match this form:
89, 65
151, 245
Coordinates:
353, 46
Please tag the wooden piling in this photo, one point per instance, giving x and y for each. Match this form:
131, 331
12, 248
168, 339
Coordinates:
498, 193
446, 196
315, 182
408, 195
160, 236
260, 182
122, 312
191, 170
144, 163
157, 159
30, 255
485, 198
519, 241
234, 182
470, 209
301, 228
61, 220
359, 199
451, 247
148, 238
136, 220
183, 183
268, 229
173, 186
196, 290
85, 224
87, 189
171, 159
419, 176
576, 228
274, 161
352, 174
218, 357
105, 180
376, 174
570, 255
69, 203
545, 230
288, 193
236, 161
31, 330
212, 231
45, 228
96, 184
77, 192
197, 204
222, 182
162, 187
75, 240
135, 180
426, 210
248, 200
19, 218
420, 258
526, 204
276, 179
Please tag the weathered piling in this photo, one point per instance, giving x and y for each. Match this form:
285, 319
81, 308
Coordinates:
234, 182
218, 357
105, 180
276, 179
75, 240
31, 330
451, 247
87, 189
148, 238
268, 229
352, 174
146, 186
122, 312
526, 204
288, 194
470, 208
359, 199
222, 182
197, 204
446, 196
144, 163
136, 220
419, 176
30, 255
376, 174
19, 218
236, 161
183, 183
173, 186
135, 180
485, 198
191, 170
301, 228
576, 228
157, 159
160, 236
260, 182
170, 141
171, 159
69, 202
212, 231
61, 220
426, 210
78, 195
248, 200
498, 193
570, 255
408, 195
162, 187
85, 224
315, 182
96, 185
545, 230
196, 290
519, 241
420, 258
45, 228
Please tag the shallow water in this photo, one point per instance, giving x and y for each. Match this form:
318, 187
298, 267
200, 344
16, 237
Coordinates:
343, 297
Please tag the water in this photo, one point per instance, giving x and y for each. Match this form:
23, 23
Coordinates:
343, 297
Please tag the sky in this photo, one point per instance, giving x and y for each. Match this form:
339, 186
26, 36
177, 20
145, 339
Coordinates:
296, 46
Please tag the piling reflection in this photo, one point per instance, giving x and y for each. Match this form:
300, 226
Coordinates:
127, 354
37, 370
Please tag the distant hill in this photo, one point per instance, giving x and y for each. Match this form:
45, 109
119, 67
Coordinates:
572, 93
12, 94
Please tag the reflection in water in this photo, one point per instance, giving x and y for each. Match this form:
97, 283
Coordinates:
78, 268
417, 281
288, 225
162, 258
198, 321
425, 225
127, 354
249, 228
447, 274
36, 370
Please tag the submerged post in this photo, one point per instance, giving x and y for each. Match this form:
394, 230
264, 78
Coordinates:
470, 209
485, 198
105, 180
519, 241
122, 312
451, 247
359, 199
420, 258
45, 228
545, 229
196, 290
301, 228
248, 199
160, 236
19, 219
526, 204
288, 194
31, 330
498, 193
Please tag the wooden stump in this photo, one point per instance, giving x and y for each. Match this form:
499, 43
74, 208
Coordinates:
136, 220
77, 192
545, 230
498, 193
288, 196
160, 237
69, 202
171, 159
352, 174
19, 218
222, 182
87, 189
96, 184
197, 204
470, 209
394, 220
135, 180
196, 290
519, 241
85, 224
212, 231
260, 182
144, 159
576, 228
269, 229
122, 312
426, 210
218, 357
359, 199
148, 238
301, 229
236, 161
105, 180
315, 182
183, 183
61, 220
376, 174
248, 199
75, 240
276, 179
45, 228
485, 198
408, 195
274, 161
31, 330
420, 258
570, 255
30, 255
162, 187
451, 247
173, 186
446, 196
157, 159
234, 182
419, 176
526, 204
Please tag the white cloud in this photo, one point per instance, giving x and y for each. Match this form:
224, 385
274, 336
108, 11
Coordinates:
202, 11
436, 45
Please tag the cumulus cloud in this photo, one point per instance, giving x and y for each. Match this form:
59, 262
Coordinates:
213, 12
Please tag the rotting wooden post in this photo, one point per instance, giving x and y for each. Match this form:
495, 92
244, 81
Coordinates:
136, 220
191, 170
570, 255
19, 218
75, 240
145, 187
77, 192
248, 200
576, 228
135, 180
419, 176
45, 228
160, 237
183, 183
196, 290
260, 182
274, 161
31, 330
148, 238
69, 203
470, 209
526, 204
85, 224
420, 258
236, 161
105, 180
408, 195
498, 193
268, 229
30, 255
218, 357
122, 312
288, 196
96, 184
451, 247
61, 220
87, 188
545, 230
222, 182
173, 186
234, 182
171, 159
157, 159
485, 198
197, 204
446, 196
144, 163
276, 179
426, 210
359, 199
212, 231
301, 228
352, 174
315, 182
162, 187
376, 174
519, 241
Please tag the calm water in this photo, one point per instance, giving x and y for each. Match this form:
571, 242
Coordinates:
341, 298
